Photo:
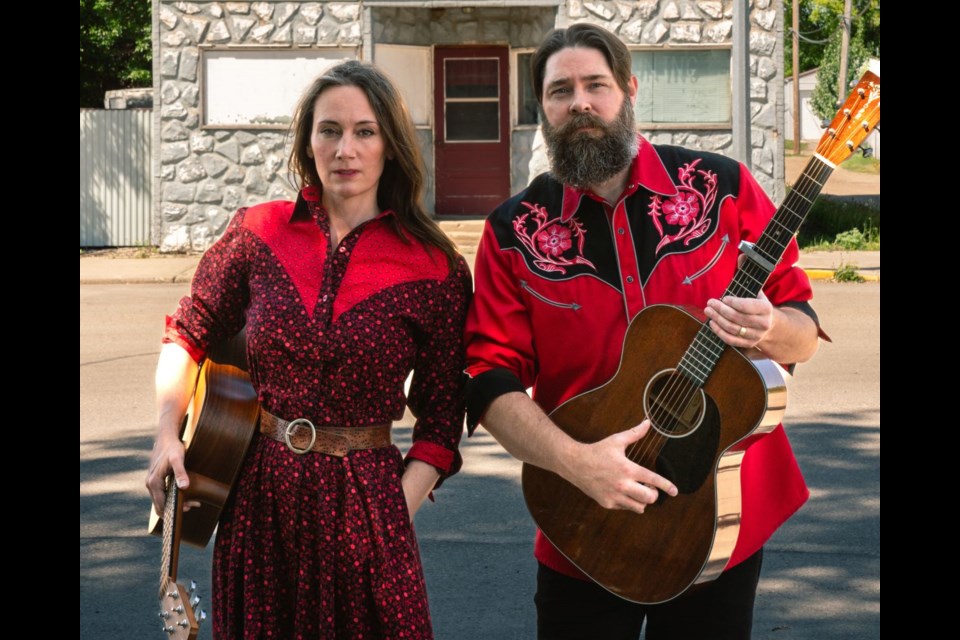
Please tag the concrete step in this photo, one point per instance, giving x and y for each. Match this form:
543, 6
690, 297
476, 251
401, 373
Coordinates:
465, 233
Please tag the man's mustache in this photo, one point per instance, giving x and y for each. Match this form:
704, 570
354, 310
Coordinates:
581, 120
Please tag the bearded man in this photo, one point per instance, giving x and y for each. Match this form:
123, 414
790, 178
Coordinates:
563, 267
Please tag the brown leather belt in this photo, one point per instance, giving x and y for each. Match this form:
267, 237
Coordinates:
301, 436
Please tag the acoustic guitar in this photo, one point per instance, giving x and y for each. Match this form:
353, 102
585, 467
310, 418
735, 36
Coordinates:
217, 431
706, 401
178, 605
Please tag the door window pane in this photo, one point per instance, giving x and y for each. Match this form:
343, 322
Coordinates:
473, 121
472, 78
471, 99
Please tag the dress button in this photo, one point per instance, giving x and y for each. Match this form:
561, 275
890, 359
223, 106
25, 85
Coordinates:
343, 249
324, 297
629, 279
620, 230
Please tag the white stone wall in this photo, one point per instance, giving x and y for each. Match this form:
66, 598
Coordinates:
205, 175
707, 23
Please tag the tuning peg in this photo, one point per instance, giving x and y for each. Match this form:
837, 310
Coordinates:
193, 586
170, 630
866, 151
183, 624
201, 617
178, 609
173, 594
194, 601
164, 615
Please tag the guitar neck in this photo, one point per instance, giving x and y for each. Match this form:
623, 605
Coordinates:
761, 259
169, 554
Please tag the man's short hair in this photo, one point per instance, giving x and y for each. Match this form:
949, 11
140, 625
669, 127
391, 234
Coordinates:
583, 34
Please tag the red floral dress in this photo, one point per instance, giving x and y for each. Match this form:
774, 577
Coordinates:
315, 546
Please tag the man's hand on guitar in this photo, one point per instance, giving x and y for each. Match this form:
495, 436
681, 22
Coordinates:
167, 455
741, 322
603, 471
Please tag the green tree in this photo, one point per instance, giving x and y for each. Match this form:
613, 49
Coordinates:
115, 47
819, 21
825, 100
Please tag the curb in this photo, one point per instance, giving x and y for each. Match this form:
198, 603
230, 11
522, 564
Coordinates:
830, 274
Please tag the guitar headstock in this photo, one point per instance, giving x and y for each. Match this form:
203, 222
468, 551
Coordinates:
178, 611
858, 116
178, 606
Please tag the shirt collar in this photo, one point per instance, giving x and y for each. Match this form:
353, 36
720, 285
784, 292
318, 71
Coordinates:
308, 200
646, 169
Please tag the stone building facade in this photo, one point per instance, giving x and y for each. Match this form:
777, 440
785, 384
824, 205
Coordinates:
461, 65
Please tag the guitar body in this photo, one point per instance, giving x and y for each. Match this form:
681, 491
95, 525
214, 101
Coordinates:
678, 541
218, 429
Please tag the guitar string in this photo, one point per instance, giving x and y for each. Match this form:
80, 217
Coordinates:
680, 392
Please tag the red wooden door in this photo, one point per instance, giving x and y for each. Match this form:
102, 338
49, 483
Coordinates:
472, 133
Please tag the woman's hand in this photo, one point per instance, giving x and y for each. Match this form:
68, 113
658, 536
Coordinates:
176, 373
167, 456
418, 481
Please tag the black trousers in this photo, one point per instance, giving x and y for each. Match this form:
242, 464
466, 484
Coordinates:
572, 609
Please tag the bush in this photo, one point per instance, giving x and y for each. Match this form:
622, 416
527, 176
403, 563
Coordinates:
832, 217
847, 273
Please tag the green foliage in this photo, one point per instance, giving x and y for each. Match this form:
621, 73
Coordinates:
824, 100
115, 47
830, 218
819, 21
859, 164
847, 273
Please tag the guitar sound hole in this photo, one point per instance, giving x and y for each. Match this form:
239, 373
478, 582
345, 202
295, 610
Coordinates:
674, 405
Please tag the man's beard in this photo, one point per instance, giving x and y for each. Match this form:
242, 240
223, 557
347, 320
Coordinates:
587, 158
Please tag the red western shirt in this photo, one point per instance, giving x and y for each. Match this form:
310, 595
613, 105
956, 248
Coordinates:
332, 333
560, 273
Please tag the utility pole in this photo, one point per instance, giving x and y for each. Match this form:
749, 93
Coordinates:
844, 53
796, 77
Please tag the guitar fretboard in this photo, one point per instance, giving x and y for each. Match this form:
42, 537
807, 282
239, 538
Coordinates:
761, 259
169, 523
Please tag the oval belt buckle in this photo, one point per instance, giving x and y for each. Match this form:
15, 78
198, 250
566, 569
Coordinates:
291, 427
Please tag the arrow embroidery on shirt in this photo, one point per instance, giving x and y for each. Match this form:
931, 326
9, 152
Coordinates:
723, 246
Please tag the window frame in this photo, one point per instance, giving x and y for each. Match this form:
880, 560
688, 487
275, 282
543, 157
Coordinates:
686, 125
352, 53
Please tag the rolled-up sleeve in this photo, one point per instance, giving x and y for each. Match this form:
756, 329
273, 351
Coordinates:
436, 396
219, 295
500, 344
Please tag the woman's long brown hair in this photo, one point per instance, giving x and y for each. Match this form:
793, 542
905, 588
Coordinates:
402, 182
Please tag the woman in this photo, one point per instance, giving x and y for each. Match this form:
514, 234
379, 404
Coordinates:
342, 293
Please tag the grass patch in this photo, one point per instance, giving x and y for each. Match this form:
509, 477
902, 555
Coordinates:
806, 148
834, 224
859, 164
866, 239
847, 273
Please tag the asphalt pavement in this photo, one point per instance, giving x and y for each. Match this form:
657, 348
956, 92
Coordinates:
821, 575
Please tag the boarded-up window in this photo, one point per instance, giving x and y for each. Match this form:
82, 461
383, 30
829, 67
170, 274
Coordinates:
259, 88
410, 69
683, 86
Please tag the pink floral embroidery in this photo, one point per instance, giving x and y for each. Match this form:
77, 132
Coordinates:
681, 209
550, 239
688, 209
554, 240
